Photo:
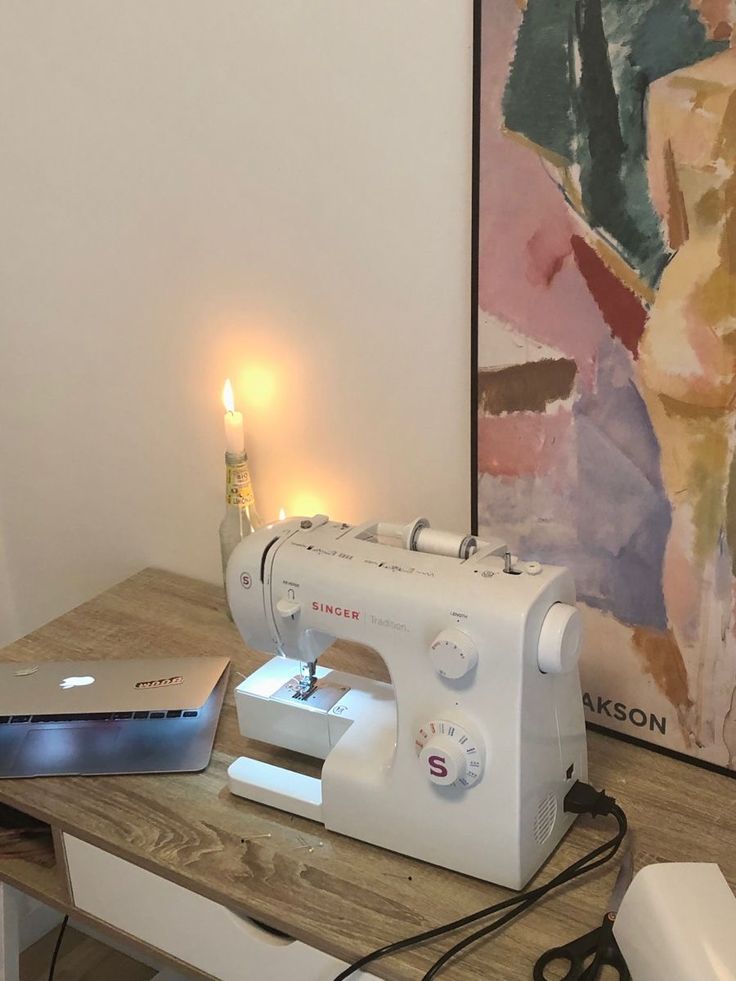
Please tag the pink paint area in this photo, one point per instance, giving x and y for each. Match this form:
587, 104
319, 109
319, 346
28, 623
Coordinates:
523, 443
546, 252
528, 274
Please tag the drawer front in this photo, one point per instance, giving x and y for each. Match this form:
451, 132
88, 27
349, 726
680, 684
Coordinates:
186, 925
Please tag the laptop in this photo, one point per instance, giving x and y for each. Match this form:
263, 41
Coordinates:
148, 715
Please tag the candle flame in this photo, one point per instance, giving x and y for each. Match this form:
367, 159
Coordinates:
282, 515
228, 399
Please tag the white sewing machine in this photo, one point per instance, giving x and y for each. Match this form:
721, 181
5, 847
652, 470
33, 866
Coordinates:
465, 758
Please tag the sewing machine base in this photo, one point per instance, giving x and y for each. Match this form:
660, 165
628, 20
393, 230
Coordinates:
348, 721
265, 783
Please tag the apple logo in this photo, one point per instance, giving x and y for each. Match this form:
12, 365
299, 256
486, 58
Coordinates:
77, 682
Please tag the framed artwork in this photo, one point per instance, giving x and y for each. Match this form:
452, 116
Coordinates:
605, 354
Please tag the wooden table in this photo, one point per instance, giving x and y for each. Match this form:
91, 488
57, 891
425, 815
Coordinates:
341, 896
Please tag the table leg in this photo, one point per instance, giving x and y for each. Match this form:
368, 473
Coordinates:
9, 934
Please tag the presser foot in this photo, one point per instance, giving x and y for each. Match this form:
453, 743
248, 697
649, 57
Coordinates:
307, 683
317, 693
307, 679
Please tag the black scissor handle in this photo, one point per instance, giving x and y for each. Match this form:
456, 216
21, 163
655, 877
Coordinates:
607, 954
576, 952
600, 945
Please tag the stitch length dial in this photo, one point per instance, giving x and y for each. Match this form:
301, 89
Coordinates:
448, 754
453, 653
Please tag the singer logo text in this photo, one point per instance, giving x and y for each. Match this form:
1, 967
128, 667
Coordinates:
336, 611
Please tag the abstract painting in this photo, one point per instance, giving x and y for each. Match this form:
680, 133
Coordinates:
606, 341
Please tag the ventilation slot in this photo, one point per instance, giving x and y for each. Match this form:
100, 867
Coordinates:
545, 819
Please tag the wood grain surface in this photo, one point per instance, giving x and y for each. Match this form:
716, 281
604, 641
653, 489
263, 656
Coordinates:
337, 894
28, 856
81, 958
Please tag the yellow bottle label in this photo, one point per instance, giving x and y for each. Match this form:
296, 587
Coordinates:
238, 488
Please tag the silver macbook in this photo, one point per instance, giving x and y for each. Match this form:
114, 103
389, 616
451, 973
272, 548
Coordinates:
148, 715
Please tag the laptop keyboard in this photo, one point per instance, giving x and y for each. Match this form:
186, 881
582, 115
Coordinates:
101, 716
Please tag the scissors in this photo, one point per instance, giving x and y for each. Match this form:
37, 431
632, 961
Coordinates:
589, 955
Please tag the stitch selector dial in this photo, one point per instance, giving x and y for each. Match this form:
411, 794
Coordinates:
453, 653
448, 754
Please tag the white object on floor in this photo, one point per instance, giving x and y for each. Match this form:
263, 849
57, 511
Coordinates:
677, 922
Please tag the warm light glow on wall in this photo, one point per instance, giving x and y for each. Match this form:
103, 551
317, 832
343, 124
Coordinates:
307, 503
259, 385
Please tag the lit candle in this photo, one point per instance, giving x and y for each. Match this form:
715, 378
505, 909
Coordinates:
282, 515
234, 436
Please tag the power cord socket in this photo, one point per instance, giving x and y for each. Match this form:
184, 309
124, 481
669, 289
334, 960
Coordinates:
581, 798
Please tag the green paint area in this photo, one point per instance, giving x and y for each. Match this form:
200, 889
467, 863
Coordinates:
706, 481
577, 88
701, 472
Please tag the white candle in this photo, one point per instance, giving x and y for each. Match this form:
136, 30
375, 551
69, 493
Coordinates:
234, 436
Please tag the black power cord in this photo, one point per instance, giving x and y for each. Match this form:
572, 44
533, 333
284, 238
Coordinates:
580, 799
57, 948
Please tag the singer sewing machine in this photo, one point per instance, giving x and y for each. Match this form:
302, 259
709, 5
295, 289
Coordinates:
465, 758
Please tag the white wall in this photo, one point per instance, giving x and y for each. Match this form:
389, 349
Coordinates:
275, 190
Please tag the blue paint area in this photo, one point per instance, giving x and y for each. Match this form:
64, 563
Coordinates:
577, 88
623, 515
602, 511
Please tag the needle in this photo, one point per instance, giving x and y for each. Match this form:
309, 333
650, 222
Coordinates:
307, 680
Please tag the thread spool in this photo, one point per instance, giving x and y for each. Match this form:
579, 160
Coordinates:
438, 542
417, 536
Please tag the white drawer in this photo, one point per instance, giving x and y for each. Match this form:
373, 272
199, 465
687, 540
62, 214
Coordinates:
184, 924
